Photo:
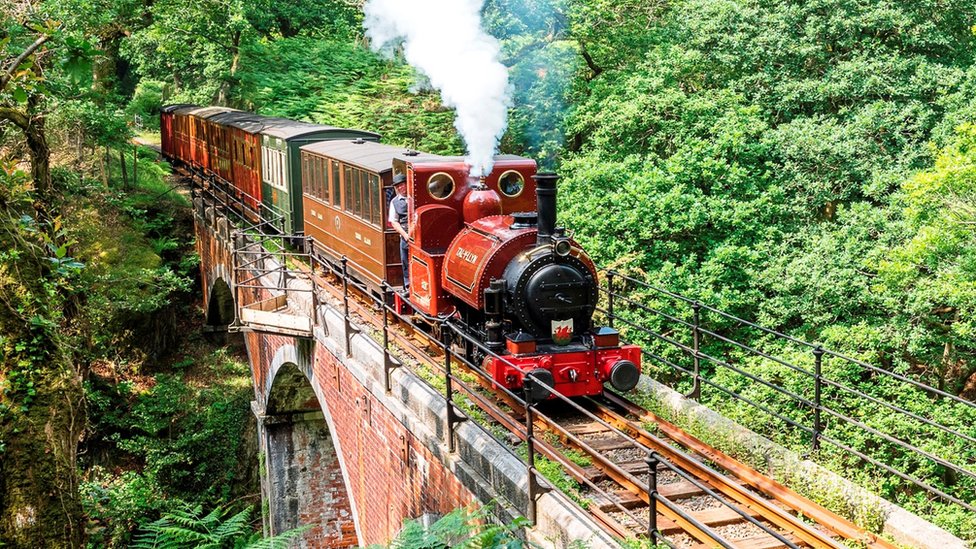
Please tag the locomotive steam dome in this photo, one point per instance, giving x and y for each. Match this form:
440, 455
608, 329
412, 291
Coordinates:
480, 202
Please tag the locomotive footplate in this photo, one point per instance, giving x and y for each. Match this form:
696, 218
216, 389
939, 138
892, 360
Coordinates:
577, 371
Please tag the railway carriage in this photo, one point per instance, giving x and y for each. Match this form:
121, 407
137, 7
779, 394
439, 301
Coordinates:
200, 133
346, 195
167, 131
281, 165
180, 128
240, 133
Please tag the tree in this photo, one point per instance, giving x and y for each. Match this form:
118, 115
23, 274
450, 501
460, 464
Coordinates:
929, 275
25, 51
41, 411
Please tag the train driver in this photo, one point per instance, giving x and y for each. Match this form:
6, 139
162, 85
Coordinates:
398, 220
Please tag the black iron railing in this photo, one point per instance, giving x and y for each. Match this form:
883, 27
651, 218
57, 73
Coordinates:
841, 410
455, 387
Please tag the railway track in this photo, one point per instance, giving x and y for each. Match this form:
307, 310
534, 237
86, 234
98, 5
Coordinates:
711, 493
638, 474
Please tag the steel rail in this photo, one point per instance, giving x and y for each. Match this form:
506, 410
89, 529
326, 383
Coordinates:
757, 480
691, 526
728, 488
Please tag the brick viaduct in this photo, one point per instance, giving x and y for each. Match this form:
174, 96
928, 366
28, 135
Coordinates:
343, 455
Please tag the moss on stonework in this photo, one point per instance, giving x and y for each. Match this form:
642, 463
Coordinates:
39, 505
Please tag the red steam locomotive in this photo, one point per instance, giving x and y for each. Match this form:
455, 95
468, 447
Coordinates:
485, 252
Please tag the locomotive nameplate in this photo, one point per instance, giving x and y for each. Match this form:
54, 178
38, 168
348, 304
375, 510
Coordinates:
470, 257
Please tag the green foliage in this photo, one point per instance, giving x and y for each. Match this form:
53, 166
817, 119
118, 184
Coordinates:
38, 277
931, 272
218, 529
459, 528
329, 19
194, 43
145, 103
183, 441
344, 84
762, 157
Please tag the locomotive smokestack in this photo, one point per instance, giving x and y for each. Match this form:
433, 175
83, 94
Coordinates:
545, 192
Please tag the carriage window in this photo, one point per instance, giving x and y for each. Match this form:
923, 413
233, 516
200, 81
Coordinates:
275, 169
347, 189
315, 165
376, 210
315, 178
304, 169
326, 174
281, 169
335, 182
511, 183
319, 176
364, 186
320, 180
440, 185
357, 189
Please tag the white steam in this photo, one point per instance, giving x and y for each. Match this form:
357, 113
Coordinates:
444, 40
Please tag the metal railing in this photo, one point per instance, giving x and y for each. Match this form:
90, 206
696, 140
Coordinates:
454, 386
835, 406
261, 257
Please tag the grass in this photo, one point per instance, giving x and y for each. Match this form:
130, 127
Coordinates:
150, 137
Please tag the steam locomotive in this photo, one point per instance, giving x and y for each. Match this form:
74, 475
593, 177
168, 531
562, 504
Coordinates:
484, 252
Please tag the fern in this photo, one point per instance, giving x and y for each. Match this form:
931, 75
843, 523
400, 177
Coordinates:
460, 529
218, 529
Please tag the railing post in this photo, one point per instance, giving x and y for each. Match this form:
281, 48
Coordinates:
387, 363
818, 353
315, 304
695, 393
345, 304
530, 449
448, 386
610, 275
652, 531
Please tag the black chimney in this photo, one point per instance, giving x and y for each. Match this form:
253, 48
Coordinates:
545, 192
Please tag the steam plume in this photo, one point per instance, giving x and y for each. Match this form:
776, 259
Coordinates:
444, 40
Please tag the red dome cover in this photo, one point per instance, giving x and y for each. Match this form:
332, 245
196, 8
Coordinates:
481, 202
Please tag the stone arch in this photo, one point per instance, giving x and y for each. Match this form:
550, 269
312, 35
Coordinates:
221, 309
303, 480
